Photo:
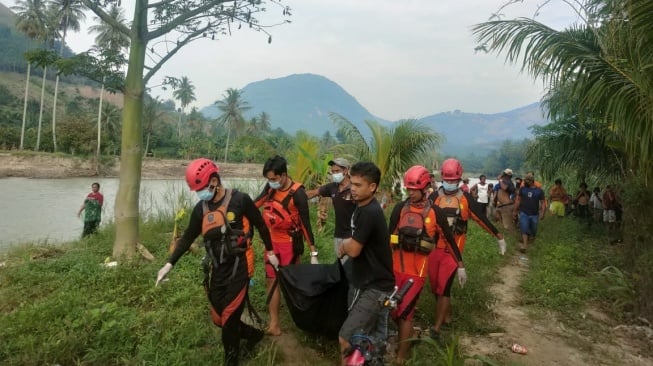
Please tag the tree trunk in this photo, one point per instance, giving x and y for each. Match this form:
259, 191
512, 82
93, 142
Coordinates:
38, 133
179, 128
22, 129
226, 149
54, 114
99, 130
56, 89
126, 208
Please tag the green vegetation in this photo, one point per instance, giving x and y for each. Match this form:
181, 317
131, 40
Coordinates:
599, 101
61, 305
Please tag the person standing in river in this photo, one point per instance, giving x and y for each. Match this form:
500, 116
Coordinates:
92, 208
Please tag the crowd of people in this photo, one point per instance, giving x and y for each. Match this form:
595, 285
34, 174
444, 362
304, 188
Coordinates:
423, 240
519, 204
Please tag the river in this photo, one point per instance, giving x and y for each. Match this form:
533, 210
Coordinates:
45, 210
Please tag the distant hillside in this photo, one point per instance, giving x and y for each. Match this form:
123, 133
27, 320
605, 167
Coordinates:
300, 102
14, 44
484, 130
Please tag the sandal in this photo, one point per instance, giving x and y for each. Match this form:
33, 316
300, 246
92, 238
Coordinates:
434, 334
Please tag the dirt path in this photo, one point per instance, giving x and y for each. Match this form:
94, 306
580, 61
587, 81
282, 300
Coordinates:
548, 341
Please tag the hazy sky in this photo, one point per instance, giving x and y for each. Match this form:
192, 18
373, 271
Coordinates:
399, 59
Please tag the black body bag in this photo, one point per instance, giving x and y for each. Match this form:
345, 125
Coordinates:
316, 295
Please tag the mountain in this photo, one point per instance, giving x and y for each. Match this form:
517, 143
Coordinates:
14, 44
484, 130
303, 101
300, 102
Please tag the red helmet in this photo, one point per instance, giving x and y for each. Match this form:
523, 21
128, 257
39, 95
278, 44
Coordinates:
198, 173
417, 177
451, 170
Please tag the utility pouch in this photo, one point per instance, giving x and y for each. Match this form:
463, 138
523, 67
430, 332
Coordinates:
236, 242
460, 227
297, 242
426, 246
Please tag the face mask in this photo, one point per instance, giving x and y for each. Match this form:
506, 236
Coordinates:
449, 187
205, 194
274, 185
337, 177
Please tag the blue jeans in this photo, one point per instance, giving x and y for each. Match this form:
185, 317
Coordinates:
528, 224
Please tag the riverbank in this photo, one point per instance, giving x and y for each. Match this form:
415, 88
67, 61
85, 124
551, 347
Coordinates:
54, 166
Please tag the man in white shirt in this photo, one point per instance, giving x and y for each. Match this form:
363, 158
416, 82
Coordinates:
481, 192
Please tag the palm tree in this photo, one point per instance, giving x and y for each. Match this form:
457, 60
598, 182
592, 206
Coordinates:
602, 60
232, 107
152, 112
44, 59
392, 149
264, 122
69, 13
30, 22
185, 94
113, 43
111, 124
107, 35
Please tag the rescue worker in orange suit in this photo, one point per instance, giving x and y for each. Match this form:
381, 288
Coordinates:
285, 212
416, 225
222, 217
458, 208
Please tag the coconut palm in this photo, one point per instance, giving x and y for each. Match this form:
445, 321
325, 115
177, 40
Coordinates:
152, 112
69, 13
112, 43
185, 94
264, 123
392, 149
109, 36
232, 107
111, 125
50, 32
29, 21
604, 61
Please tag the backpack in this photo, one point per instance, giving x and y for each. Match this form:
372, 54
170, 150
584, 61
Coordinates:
454, 210
411, 230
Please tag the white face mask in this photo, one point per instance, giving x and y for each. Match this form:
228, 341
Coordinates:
337, 177
274, 185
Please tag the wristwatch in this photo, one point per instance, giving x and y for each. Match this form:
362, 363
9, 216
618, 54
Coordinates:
313, 254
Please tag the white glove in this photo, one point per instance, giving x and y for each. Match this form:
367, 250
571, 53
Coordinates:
163, 272
274, 261
502, 246
462, 276
314, 260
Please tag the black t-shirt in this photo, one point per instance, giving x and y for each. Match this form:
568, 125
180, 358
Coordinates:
372, 269
343, 206
530, 198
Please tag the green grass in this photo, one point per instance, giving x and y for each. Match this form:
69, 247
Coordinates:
59, 305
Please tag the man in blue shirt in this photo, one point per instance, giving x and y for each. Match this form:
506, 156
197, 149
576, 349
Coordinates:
529, 204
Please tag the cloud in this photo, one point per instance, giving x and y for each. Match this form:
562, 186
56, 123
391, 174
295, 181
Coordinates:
400, 59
